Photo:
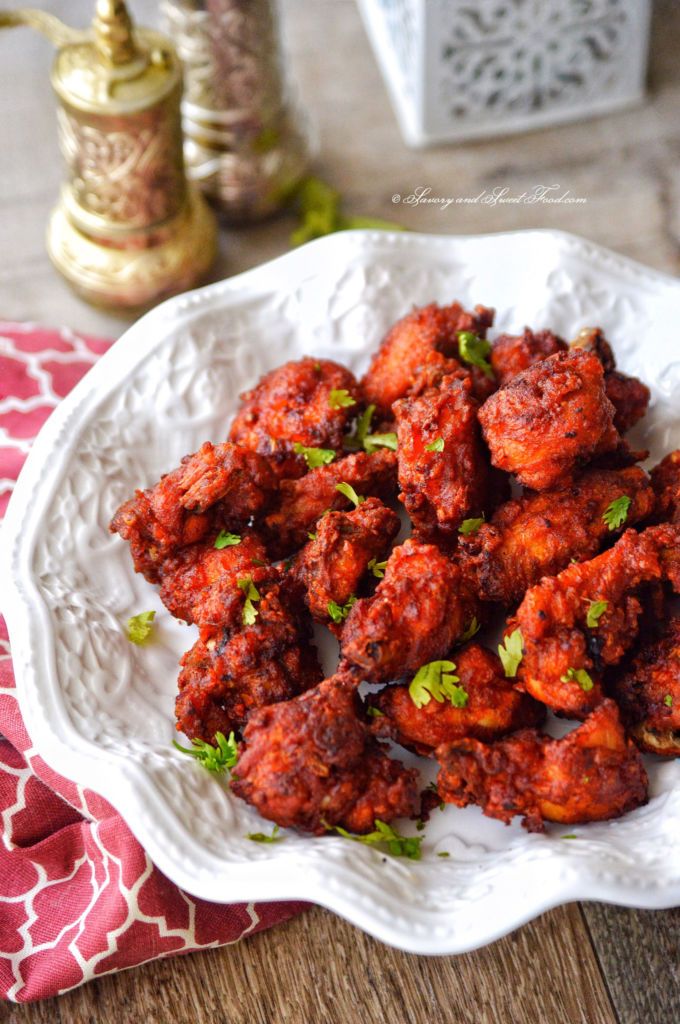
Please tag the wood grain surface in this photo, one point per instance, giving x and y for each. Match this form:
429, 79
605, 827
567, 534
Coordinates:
592, 964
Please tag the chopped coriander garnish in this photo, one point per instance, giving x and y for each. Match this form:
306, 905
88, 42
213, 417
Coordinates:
398, 846
510, 653
436, 680
262, 837
226, 540
373, 712
314, 457
595, 612
338, 612
474, 350
580, 676
433, 786
570, 835
218, 758
350, 493
435, 446
312, 536
470, 526
355, 440
340, 398
616, 512
420, 825
251, 592
377, 568
668, 700
444, 853
471, 630
258, 562
373, 441
139, 627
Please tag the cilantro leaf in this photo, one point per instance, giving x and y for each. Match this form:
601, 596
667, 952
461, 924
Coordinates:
510, 652
139, 627
474, 350
470, 526
362, 425
262, 837
373, 441
398, 846
314, 457
340, 398
580, 676
374, 712
616, 512
595, 611
218, 758
668, 700
377, 568
251, 592
350, 493
339, 613
436, 680
435, 446
312, 536
444, 853
226, 540
471, 630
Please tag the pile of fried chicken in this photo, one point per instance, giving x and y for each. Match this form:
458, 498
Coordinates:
292, 521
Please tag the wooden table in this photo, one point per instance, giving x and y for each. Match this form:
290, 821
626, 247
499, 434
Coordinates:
581, 963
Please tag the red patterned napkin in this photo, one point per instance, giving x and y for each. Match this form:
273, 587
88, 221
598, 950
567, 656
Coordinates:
78, 895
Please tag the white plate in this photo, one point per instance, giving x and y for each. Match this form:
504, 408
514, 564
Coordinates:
100, 710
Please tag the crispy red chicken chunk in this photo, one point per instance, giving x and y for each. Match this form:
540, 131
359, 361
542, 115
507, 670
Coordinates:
311, 763
331, 567
220, 486
559, 644
592, 774
410, 344
541, 532
309, 401
629, 396
648, 694
443, 466
512, 353
233, 668
187, 576
666, 484
488, 707
414, 617
550, 420
301, 503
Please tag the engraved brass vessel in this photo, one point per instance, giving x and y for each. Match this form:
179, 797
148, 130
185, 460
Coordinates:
128, 230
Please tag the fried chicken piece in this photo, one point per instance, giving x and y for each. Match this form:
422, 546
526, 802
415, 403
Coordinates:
311, 763
302, 502
592, 774
442, 464
550, 420
648, 694
219, 487
512, 353
411, 341
629, 396
553, 618
414, 616
539, 533
233, 668
666, 484
491, 708
294, 403
187, 576
330, 568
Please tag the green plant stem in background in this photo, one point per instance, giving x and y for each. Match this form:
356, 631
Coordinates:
319, 208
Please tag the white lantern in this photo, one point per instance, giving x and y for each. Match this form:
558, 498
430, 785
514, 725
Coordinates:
463, 69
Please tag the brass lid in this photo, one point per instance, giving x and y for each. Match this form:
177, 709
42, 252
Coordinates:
115, 69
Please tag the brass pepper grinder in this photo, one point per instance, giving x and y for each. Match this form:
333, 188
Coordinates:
127, 230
